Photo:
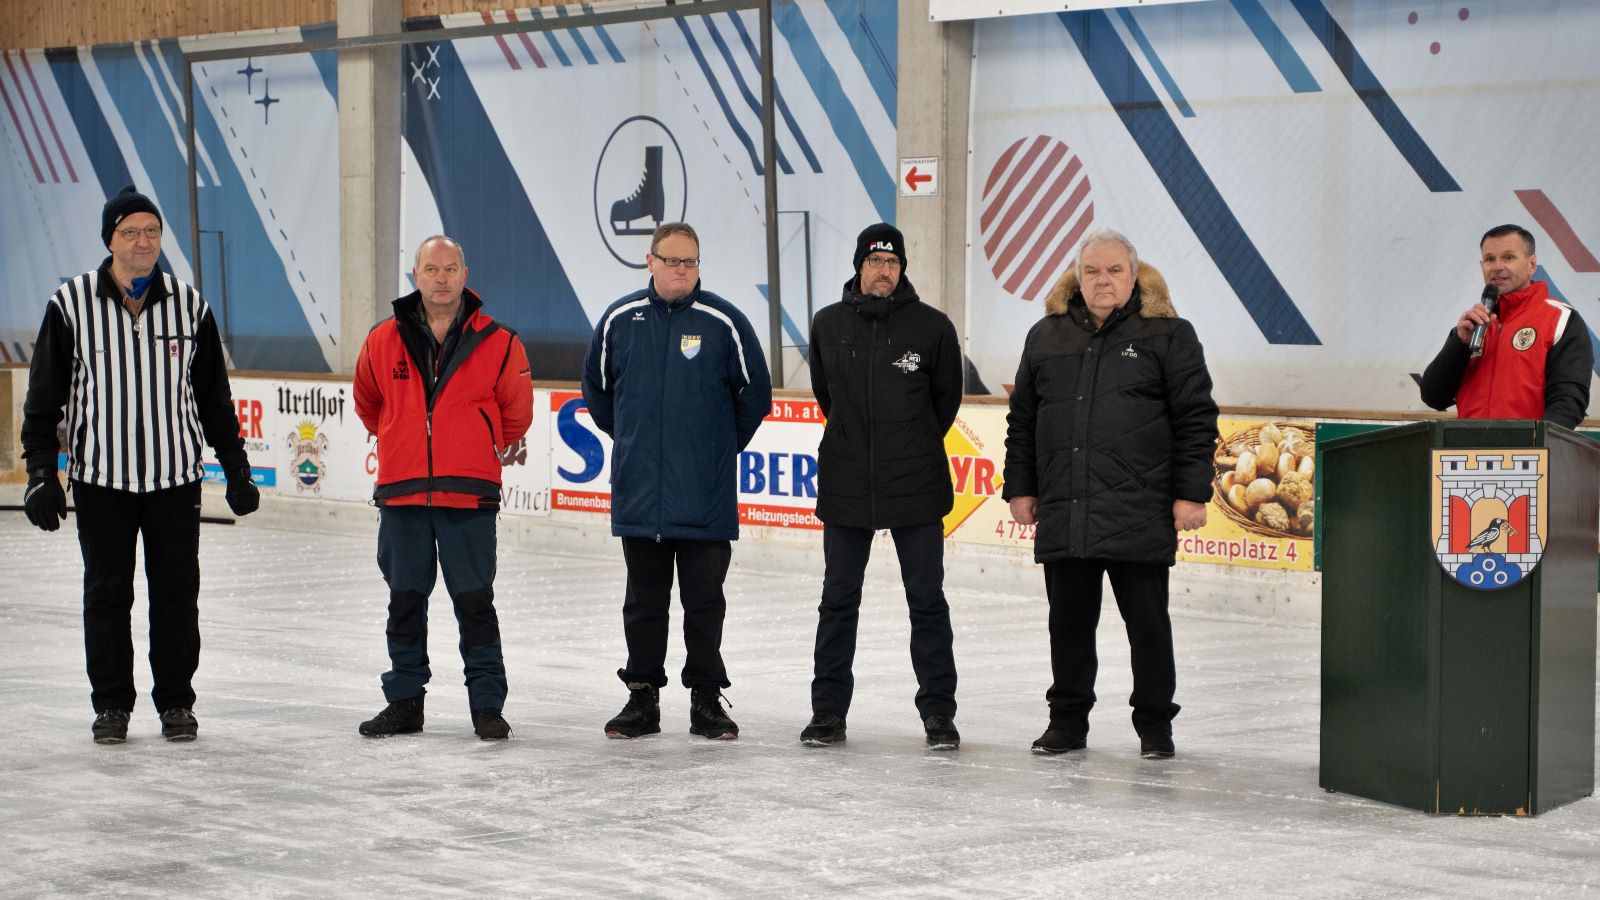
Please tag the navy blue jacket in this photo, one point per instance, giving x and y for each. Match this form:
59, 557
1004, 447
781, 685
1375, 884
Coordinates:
680, 388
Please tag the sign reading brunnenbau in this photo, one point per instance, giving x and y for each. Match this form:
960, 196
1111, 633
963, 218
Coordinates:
1489, 513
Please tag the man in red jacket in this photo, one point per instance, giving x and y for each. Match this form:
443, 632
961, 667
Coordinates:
1537, 358
445, 389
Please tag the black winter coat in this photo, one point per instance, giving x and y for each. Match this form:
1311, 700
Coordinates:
887, 373
1107, 428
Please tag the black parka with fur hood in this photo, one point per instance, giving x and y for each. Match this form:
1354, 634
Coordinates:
1108, 427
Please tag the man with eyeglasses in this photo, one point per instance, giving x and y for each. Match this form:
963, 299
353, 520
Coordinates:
676, 376
132, 356
886, 370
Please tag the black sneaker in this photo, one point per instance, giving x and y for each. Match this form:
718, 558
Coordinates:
111, 726
826, 728
399, 717
707, 719
1157, 746
178, 725
942, 733
489, 725
641, 716
1062, 737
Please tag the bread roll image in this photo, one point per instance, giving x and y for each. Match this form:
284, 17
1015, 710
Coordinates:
1305, 518
1274, 516
1292, 492
1236, 499
1266, 459
1246, 469
1260, 491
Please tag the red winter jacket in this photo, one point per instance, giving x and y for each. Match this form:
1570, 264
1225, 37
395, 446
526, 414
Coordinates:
442, 414
1536, 364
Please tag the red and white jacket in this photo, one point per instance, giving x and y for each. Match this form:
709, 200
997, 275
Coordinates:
443, 414
1536, 364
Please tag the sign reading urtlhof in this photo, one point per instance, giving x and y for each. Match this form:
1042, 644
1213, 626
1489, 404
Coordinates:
1489, 510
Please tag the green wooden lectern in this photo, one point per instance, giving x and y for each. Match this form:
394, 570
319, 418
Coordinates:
1437, 694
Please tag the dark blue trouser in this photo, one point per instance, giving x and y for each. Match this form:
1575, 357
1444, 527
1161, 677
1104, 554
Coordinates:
646, 607
845, 552
414, 542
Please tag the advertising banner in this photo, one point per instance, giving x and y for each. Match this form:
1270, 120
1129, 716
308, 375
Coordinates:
255, 402
525, 465
1263, 508
324, 452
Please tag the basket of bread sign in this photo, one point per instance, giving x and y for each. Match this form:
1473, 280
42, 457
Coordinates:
1264, 480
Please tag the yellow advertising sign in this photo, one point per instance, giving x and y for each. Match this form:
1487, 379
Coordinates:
1263, 505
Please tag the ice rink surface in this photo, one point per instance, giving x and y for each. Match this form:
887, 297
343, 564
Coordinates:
280, 797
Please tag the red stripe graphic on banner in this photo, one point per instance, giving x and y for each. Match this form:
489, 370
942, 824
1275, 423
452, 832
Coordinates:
501, 40
1067, 210
1000, 167
1029, 228
49, 119
1028, 193
1555, 224
38, 174
527, 42
1011, 182
1059, 260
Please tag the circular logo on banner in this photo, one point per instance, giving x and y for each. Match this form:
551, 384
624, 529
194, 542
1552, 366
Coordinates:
1523, 339
639, 182
1036, 205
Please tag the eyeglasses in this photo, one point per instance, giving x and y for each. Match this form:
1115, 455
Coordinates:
672, 262
132, 234
878, 262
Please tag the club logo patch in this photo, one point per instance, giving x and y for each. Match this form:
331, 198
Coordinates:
1524, 338
1489, 510
690, 345
1129, 352
910, 362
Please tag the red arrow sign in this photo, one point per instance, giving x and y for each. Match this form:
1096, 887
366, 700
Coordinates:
913, 179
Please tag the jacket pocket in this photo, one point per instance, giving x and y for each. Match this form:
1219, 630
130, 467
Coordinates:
1127, 468
493, 442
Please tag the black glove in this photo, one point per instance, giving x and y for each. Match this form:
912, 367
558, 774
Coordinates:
243, 498
45, 501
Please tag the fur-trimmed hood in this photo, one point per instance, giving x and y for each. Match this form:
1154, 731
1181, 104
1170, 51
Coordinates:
1155, 301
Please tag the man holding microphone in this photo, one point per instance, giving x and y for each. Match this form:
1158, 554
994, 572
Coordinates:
1534, 358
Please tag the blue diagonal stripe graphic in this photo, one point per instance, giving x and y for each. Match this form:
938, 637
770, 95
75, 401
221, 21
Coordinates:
870, 166
1383, 108
611, 48
110, 169
1278, 48
874, 36
777, 95
1156, 64
722, 101
750, 98
577, 38
1186, 181
550, 39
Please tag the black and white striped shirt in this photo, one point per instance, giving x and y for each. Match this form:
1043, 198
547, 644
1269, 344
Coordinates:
140, 393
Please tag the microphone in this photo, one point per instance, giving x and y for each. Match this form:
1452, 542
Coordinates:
1491, 299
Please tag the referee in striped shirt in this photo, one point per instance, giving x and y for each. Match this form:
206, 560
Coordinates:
131, 356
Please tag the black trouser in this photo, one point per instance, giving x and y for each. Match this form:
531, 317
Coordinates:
845, 552
702, 567
110, 523
1073, 587
414, 543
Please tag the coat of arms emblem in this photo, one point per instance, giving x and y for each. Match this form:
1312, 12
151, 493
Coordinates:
1489, 511
308, 448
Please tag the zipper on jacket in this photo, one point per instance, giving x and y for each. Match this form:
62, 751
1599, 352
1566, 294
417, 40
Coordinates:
661, 433
872, 443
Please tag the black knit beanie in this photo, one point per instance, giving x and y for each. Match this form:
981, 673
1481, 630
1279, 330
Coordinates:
127, 202
880, 237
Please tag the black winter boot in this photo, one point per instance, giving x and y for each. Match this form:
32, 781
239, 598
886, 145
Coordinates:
826, 729
641, 716
489, 725
179, 725
941, 732
399, 717
1063, 736
707, 719
111, 726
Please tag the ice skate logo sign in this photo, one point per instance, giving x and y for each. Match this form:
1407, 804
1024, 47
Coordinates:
307, 466
909, 362
1489, 509
640, 181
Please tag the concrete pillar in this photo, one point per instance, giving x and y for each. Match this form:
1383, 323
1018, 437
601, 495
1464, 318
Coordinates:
369, 173
932, 113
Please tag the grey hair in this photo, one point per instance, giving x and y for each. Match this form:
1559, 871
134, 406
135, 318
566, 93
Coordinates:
440, 237
1108, 236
